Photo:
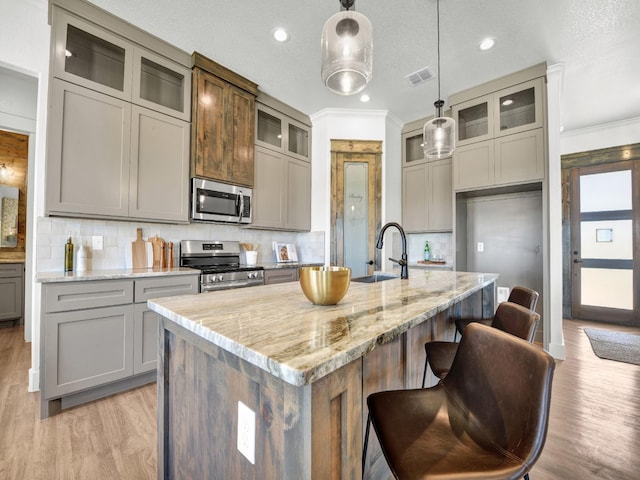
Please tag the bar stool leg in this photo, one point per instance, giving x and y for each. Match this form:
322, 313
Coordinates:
366, 444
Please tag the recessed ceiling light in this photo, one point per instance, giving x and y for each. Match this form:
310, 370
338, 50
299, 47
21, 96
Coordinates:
280, 34
487, 43
364, 98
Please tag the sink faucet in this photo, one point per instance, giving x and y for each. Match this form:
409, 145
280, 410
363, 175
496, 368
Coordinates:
404, 271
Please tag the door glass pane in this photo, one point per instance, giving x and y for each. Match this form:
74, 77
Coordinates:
473, 121
9, 216
269, 129
298, 140
518, 109
607, 239
603, 287
356, 215
161, 85
605, 192
414, 148
93, 58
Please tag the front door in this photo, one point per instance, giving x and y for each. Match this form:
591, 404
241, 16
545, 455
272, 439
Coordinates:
356, 204
604, 242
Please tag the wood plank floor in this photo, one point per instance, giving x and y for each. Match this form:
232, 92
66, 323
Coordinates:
594, 430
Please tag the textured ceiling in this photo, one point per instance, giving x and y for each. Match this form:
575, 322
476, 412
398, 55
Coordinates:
598, 41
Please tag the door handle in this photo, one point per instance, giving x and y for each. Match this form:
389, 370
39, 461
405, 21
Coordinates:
370, 262
575, 260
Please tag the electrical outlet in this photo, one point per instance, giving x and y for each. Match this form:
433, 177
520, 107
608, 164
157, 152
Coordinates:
503, 294
481, 246
247, 432
97, 242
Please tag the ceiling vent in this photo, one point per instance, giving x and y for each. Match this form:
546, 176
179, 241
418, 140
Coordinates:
421, 76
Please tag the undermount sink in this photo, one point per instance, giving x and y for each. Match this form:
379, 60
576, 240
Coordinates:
376, 277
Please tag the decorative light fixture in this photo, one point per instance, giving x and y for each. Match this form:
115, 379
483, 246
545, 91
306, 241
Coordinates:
347, 51
4, 171
439, 133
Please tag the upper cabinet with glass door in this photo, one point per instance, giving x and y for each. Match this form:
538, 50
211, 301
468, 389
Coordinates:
278, 131
96, 58
504, 112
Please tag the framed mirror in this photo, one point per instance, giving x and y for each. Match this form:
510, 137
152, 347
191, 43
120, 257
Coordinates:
9, 198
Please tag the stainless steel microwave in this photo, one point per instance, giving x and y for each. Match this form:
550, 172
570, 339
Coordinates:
220, 202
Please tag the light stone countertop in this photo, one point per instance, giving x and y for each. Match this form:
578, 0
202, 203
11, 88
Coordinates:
115, 274
277, 329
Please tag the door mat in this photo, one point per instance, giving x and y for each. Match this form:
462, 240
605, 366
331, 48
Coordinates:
622, 347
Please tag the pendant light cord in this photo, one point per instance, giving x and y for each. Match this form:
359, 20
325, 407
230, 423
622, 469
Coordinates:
438, 43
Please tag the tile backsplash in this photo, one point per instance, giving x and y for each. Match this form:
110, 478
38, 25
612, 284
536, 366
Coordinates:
117, 237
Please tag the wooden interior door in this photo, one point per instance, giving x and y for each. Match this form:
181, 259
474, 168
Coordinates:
355, 204
604, 242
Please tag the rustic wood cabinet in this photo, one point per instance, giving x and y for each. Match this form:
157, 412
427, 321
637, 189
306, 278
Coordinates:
223, 123
118, 113
99, 337
501, 132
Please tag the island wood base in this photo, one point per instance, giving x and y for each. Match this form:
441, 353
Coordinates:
314, 431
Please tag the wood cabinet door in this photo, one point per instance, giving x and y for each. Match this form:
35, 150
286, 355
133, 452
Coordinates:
89, 147
415, 197
209, 127
440, 195
240, 136
269, 194
10, 298
159, 172
145, 339
298, 195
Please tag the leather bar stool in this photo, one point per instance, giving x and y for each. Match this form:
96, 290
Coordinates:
488, 418
509, 317
521, 295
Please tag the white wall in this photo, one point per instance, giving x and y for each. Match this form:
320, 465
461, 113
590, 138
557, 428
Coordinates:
25, 48
337, 124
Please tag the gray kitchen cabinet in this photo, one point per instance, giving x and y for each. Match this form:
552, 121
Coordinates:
282, 192
280, 275
11, 291
99, 337
119, 115
282, 180
501, 132
159, 166
427, 197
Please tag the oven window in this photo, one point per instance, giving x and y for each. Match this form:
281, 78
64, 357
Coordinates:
217, 203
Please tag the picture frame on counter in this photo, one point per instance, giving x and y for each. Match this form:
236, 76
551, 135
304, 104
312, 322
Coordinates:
286, 252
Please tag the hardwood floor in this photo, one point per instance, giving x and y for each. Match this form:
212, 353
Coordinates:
594, 430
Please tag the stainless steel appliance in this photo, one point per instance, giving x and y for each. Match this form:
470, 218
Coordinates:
219, 262
220, 202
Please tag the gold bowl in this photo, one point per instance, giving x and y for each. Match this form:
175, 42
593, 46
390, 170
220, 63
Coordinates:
324, 285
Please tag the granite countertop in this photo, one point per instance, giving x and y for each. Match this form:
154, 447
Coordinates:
53, 277
275, 265
11, 260
277, 329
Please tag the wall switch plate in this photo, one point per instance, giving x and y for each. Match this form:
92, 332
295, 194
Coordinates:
97, 242
481, 246
247, 432
503, 294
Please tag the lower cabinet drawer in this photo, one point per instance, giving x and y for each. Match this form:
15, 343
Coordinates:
87, 348
62, 297
282, 275
148, 288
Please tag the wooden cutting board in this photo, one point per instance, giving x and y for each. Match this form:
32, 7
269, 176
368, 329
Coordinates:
139, 251
159, 259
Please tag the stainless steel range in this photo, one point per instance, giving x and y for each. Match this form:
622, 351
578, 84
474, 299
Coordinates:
219, 262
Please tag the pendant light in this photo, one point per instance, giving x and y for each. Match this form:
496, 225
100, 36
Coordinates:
439, 133
347, 51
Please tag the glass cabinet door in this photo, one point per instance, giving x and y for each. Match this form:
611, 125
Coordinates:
91, 57
413, 148
268, 129
161, 85
473, 119
298, 141
519, 108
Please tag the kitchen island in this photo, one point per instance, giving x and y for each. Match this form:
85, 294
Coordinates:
304, 370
